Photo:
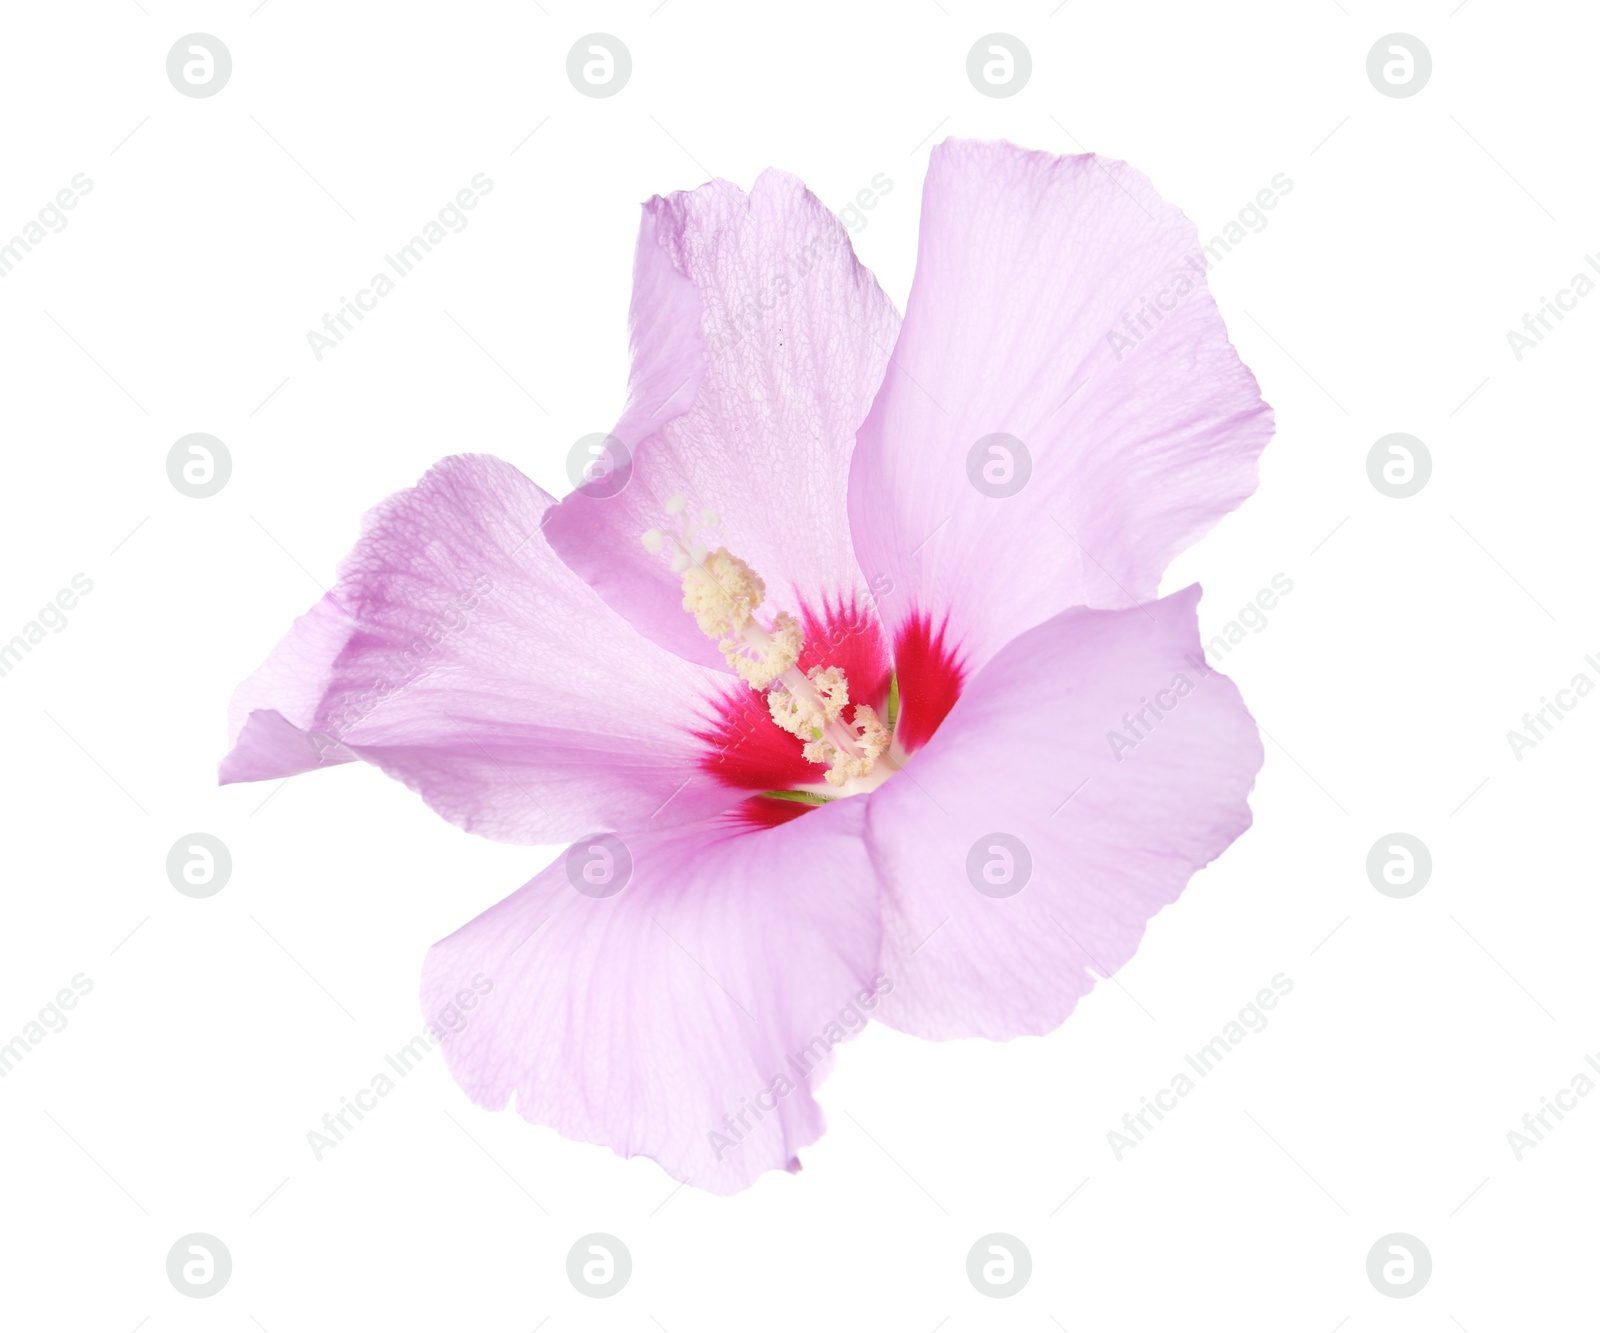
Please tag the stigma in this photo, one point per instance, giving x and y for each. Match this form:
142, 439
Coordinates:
725, 595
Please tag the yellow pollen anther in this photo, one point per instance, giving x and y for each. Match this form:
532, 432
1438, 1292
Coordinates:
762, 656
724, 594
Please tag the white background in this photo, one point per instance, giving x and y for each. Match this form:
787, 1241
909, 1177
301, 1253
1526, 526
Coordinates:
218, 1032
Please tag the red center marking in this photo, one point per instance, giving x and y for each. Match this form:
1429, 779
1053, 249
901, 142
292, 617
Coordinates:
746, 749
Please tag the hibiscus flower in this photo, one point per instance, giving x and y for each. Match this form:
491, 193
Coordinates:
850, 681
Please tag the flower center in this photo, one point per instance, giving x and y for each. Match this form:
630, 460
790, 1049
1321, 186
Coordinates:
724, 594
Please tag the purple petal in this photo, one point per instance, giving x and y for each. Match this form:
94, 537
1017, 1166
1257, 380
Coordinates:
795, 334
688, 1017
458, 654
667, 353
1045, 761
272, 712
1027, 267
